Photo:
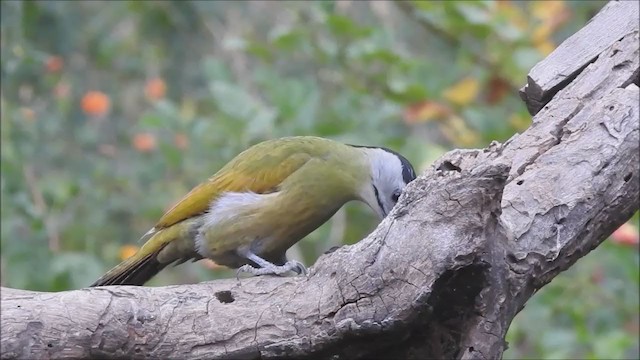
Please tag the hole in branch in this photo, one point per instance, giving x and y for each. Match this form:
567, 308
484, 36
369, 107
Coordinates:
627, 177
224, 297
520, 182
453, 301
448, 166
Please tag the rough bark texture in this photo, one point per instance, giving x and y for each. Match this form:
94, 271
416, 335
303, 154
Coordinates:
442, 276
613, 22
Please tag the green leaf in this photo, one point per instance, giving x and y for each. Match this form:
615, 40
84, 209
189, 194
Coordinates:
260, 51
288, 39
344, 26
405, 92
152, 120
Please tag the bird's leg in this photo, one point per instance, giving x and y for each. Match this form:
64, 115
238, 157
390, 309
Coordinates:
267, 268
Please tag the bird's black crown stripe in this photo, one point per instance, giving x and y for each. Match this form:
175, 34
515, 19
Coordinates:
408, 173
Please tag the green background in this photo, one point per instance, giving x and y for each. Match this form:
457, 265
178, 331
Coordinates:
78, 186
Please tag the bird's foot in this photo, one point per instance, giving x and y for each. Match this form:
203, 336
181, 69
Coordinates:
291, 265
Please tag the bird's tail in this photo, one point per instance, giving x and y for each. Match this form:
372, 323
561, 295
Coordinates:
162, 248
135, 270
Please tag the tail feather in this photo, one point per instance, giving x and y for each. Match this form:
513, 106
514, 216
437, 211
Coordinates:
133, 271
161, 248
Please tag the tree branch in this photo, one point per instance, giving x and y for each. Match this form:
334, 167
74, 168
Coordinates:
442, 276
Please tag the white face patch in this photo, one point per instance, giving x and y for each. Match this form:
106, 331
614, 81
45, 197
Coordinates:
387, 181
229, 206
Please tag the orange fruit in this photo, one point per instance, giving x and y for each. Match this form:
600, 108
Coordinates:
95, 103
155, 89
54, 64
144, 142
127, 251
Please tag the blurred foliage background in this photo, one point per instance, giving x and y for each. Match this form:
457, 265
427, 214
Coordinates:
111, 111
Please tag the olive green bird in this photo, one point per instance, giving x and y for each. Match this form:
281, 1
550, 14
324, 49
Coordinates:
264, 201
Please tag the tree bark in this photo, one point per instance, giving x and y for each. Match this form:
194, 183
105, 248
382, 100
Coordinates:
470, 241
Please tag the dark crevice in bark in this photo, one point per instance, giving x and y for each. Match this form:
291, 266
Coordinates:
442, 318
448, 166
634, 79
453, 306
545, 98
449, 308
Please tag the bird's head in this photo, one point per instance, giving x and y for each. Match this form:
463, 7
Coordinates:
390, 172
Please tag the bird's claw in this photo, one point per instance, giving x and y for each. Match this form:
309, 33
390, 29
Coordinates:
297, 267
291, 265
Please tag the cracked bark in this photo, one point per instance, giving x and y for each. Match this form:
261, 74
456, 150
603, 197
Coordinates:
470, 241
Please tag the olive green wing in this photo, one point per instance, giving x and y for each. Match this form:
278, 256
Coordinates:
259, 169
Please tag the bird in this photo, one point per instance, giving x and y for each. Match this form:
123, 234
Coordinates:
264, 201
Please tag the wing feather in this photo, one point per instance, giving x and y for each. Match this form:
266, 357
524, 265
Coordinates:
262, 174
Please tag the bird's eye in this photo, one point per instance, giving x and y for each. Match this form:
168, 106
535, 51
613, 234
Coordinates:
395, 196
